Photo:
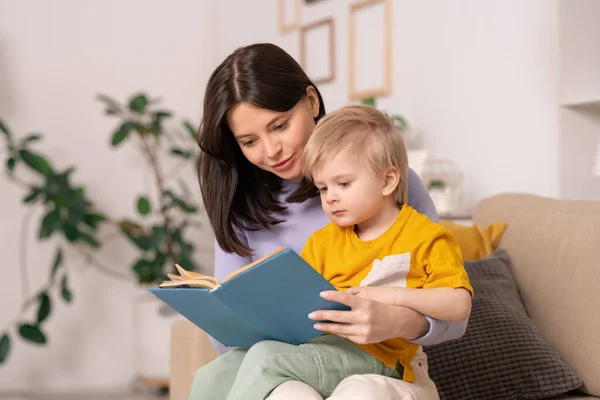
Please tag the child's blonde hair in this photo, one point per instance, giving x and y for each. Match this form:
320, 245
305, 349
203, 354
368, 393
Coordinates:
367, 135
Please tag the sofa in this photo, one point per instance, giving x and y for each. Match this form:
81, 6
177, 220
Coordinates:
553, 247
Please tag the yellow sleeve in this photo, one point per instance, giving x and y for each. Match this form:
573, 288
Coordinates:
313, 254
443, 263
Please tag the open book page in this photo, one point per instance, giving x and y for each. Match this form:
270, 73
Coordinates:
194, 279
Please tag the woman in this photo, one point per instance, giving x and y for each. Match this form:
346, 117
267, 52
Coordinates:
259, 110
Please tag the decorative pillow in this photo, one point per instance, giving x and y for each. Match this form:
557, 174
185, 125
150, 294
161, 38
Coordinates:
476, 243
502, 354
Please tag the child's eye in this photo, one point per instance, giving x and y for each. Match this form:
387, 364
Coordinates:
280, 127
344, 184
322, 189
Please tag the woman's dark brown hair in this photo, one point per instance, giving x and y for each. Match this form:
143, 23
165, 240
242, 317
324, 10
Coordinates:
236, 193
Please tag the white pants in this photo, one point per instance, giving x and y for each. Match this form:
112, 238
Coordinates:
364, 387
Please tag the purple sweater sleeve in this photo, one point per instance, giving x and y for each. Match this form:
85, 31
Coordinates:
439, 331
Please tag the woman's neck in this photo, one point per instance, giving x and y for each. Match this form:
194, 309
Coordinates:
376, 226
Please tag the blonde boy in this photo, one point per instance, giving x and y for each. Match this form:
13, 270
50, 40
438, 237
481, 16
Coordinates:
376, 246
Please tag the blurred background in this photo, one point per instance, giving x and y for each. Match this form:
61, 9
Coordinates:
495, 96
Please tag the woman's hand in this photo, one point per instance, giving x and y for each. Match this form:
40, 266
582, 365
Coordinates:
369, 321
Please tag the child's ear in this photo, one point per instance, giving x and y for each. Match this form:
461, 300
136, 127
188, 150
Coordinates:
391, 181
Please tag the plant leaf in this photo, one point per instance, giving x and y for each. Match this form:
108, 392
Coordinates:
31, 138
36, 162
143, 269
190, 129
369, 101
64, 290
71, 232
181, 153
93, 219
4, 347
50, 223
179, 202
90, 240
35, 192
138, 103
400, 122
143, 205
4, 129
32, 333
112, 107
121, 134
44, 308
58, 258
10, 164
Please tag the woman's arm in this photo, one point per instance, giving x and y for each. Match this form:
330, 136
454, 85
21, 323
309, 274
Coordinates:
371, 321
368, 321
437, 331
445, 303
419, 198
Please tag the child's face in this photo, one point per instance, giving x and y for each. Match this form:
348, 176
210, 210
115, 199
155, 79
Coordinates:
350, 195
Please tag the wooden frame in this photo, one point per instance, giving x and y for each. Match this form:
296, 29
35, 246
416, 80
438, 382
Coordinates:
285, 26
329, 24
386, 86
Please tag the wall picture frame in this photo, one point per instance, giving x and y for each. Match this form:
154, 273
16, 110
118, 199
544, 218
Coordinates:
317, 50
289, 15
370, 49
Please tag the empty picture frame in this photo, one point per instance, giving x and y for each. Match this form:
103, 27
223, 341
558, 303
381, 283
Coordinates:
370, 52
317, 50
288, 15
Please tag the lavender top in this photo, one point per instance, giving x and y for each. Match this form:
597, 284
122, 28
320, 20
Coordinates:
300, 221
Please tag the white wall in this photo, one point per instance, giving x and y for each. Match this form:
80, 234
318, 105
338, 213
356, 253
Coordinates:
54, 58
579, 41
477, 78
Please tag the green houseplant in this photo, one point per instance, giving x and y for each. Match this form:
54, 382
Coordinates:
160, 232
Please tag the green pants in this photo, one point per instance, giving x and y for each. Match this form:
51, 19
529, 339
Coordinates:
251, 374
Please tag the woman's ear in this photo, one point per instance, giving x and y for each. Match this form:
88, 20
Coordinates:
313, 99
391, 181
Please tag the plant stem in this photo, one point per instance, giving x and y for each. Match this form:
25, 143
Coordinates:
91, 260
158, 176
21, 183
23, 253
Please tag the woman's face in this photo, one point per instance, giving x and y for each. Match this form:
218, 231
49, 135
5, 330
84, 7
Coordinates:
274, 140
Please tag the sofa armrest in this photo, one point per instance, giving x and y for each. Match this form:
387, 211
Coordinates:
190, 349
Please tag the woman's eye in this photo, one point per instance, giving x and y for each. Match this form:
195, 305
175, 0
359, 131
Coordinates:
248, 143
280, 127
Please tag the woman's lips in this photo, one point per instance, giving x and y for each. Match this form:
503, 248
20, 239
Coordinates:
283, 165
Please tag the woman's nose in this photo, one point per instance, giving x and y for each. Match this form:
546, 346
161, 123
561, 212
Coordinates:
273, 149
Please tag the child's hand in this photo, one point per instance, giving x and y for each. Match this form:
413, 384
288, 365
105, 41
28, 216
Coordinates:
387, 295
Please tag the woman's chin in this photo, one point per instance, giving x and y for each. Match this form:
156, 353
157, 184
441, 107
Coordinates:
293, 175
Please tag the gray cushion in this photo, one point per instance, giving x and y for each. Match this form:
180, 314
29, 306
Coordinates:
502, 354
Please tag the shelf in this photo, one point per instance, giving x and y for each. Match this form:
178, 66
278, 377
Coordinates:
592, 105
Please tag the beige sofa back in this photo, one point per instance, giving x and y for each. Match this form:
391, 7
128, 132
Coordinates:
554, 246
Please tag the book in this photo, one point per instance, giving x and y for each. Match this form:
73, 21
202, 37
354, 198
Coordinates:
269, 299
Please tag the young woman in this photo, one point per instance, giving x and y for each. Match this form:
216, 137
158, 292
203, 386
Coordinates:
260, 108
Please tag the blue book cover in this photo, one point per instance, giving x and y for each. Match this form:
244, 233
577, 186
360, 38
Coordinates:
268, 300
